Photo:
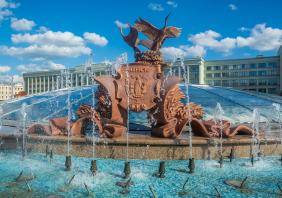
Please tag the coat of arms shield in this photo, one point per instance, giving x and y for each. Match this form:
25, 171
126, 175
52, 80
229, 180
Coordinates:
138, 86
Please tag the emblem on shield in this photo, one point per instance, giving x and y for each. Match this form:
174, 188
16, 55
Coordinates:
139, 87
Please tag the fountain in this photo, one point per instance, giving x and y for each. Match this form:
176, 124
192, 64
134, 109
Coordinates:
184, 125
68, 85
218, 119
278, 116
255, 145
23, 128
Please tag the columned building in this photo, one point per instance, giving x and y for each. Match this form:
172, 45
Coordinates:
43, 81
259, 74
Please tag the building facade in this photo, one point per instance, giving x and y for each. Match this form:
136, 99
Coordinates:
260, 74
8, 91
38, 82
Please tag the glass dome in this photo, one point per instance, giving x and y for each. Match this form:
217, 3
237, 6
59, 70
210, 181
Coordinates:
237, 105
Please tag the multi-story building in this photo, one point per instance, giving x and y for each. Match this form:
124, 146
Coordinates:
261, 74
38, 82
8, 91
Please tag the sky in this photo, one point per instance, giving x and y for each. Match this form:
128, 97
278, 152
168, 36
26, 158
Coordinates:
55, 34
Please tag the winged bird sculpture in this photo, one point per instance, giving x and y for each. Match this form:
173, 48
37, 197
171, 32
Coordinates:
132, 38
156, 36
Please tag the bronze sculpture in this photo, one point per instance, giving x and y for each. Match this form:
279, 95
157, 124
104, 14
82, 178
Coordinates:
142, 86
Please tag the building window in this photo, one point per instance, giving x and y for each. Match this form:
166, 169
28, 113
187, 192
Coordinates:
262, 73
253, 66
209, 75
243, 82
252, 82
272, 65
217, 83
272, 90
225, 83
262, 65
225, 74
262, 82
263, 90
252, 73
217, 75
273, 82
216, 68
209, 68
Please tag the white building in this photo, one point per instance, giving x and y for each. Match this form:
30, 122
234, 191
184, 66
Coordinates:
9, 91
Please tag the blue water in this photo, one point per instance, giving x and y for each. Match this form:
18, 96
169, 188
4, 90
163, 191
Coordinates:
51, 178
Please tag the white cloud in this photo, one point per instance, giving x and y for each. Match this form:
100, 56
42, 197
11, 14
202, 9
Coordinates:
120, 24
172, 4
232, 7
46, 45
4, 14
183, 50
4, 68
156, 7
10, 4
14, 5
45, 51
41, 66
172, 52
243, 29
42, 29
22, 24
193, 51
210, 39
95, 39
3, 3
5, 9
262, 38
7, 79
49, 38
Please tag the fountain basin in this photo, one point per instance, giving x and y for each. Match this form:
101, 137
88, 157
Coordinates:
142, 146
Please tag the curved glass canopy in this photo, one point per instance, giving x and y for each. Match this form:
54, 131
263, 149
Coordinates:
237, 105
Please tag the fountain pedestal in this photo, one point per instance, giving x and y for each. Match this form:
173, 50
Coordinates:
68, 163
191, 165
93, 167
127, 169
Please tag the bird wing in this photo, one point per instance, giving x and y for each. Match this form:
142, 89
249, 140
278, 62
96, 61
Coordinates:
146, 43
146, 28
132, 38
172, 32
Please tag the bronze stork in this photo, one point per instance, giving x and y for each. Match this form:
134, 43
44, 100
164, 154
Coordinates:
156, 36
132, 38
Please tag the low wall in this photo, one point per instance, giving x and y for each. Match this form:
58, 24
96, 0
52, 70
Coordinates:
143, 146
